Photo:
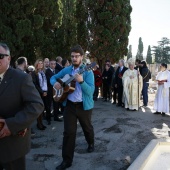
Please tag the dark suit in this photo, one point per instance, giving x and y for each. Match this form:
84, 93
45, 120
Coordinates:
118, 81
58, 67
50, 99
20, 106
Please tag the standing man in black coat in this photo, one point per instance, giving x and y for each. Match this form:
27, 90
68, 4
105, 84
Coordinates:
49, 73
118, 80
59, 66
20, 105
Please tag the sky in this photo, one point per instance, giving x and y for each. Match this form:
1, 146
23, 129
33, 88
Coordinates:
150, 19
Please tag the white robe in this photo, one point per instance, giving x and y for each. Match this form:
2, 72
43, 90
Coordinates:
161, 103
130, 89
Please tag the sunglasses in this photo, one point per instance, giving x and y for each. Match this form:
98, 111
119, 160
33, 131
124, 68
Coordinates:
3, 55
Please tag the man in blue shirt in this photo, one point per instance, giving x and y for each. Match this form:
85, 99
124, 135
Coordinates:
79, 106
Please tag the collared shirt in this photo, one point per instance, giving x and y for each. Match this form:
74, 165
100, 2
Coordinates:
2, 74
121, 68
76, 96
52, 70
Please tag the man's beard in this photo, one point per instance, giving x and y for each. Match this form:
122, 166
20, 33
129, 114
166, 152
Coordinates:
77, 65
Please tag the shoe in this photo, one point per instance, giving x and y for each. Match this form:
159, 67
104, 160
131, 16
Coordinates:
40, 127
118, 105
127, 109
163, 114
114, 103
63, 166
58, 119
105, 100
90, 148
32, 133
49, 122
157, 113
44, 126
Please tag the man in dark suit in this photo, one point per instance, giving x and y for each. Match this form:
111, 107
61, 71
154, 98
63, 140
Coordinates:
118, 81
20, 106
59, 66
49, 73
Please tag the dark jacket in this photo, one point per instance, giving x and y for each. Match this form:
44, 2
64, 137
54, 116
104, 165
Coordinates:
49, 74
20, 106
107, 77
146, 74
119, 75
36, 82
58, 67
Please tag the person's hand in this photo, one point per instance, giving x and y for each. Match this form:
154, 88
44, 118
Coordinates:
78, 78
44, 93
116, 85
57, 85
131, 77
5, 130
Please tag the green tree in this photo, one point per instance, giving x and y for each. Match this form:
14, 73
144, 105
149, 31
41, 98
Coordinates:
129, 55
149, 55
162, 51
109, 25
65, 35
139, 54
28, 26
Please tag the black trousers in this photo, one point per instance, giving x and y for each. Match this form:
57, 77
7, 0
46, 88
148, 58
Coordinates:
106, 91
72, 113
120, 93
56, 105
115, 91
18, 164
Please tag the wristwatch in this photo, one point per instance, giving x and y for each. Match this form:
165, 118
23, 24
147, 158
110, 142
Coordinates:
81, 82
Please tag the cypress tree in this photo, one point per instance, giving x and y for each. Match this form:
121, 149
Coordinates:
139, 54
129, 55
149, 55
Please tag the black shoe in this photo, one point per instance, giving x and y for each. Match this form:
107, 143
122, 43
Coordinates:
163, 114
44, 126
63, 166
157, 113
118, 105
90, 148
114, 103
49, 122
58, 119
40, 127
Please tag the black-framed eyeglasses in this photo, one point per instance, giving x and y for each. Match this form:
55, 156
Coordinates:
76, 56
3, 55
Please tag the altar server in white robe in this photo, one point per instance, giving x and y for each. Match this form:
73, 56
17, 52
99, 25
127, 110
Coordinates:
161, 103
130, 86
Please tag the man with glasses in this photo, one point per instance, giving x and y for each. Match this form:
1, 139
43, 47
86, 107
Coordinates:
79, 106
20, 106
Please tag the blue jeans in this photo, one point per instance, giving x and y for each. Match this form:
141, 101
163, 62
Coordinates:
145, 93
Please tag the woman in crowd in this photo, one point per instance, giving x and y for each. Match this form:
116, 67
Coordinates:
107, 78
40, 82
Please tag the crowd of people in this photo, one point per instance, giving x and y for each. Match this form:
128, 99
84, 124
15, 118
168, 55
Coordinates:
27, 94
126, 86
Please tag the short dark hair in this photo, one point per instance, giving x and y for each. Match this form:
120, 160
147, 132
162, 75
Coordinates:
77, 49
107, 61
164, 65
144, 63
64, 61
21, 60
3, 45
139, 61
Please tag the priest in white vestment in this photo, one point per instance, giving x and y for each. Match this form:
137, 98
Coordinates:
161, 103
130, 86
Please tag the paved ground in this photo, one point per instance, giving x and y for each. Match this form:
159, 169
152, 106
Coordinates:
120, 136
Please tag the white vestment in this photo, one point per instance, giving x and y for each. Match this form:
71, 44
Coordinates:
130, 89
161, 103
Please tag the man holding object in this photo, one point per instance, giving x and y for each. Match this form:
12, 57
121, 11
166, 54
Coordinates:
79, 106
20, 105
